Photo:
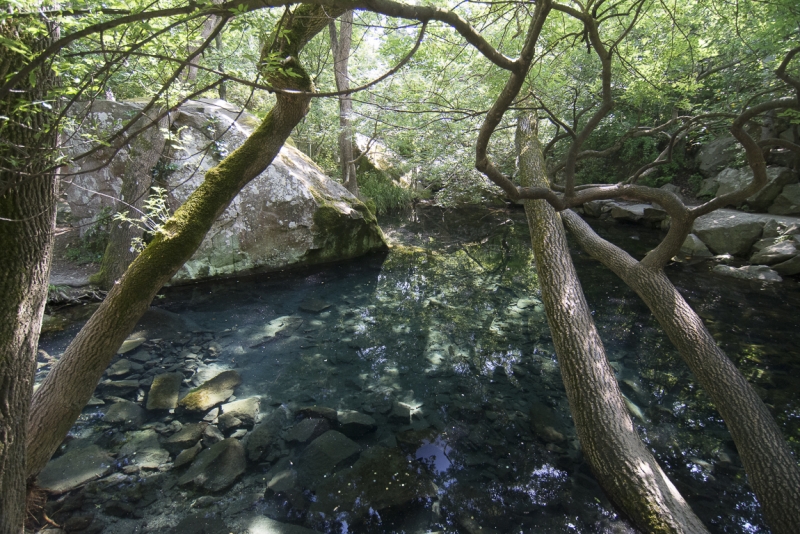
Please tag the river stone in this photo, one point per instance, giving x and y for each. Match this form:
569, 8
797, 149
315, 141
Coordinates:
218, 467
788, 268
716, 155
623, 211
788, 202
317, 412
265, 525
777, 253
694, 247
74, 468
122, 367
307, 429
749, 272
381, 480
246, 410
187, 455
325, 453
731, 180
164, 391
212, 435
228, 421
265, 435
125, 413
185, 438
212, 392
291, 214
355, 424
130, 344
708, 188
727, 232
142, 449
119, 388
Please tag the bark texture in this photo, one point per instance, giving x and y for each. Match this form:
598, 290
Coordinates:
771, 468
61, 397
341, 55
27, 222
143, 154
622, 464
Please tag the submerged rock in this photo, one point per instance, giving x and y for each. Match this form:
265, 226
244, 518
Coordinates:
74, 468
381, 480
212, 392
307, 429
125, 413
142, 449
356, 424
326, 452
264, 436
218, 467
185, 438
245, 410
265, 525
749, 272
164, 391
187, 455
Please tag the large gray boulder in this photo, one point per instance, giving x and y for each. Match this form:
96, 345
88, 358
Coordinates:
291, 214
729, 232
717, 155
731, 180
749, 272
788, 202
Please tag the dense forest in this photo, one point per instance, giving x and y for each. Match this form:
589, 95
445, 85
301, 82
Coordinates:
546, 105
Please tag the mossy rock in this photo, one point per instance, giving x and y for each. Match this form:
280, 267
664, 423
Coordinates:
212, 392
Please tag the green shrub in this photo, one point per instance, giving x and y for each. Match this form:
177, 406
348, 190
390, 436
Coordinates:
386, 194
93, 243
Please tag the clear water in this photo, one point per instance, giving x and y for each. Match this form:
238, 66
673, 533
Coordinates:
450, 323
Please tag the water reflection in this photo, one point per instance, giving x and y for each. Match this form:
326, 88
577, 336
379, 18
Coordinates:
444, 346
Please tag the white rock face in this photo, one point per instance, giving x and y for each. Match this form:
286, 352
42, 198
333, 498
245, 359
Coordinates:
290, 214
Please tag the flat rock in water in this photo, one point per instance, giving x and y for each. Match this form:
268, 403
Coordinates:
356, 424
325, 453
119, 387
164, 391
228, 421
314, 305
130, 344
307, 429
246, 410
264, 436
212, 392
125, 413
143, 449
318, 412
122, 367
187, 455
218, 467
74, 468
185, 438
381, 479
749, 272
265, 525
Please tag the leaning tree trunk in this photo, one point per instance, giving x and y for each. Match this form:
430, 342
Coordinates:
142, 156
622, 464
771, 469
27, 222
69, 385
341, 56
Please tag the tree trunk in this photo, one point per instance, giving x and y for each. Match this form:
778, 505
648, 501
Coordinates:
771, 469
341, 56
142, 155
69, 385
27, 223
622, 464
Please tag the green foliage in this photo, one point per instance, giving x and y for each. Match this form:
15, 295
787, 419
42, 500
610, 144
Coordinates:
93, 243
385, 193
155, 214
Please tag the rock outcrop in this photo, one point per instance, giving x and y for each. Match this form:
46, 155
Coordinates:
291, 214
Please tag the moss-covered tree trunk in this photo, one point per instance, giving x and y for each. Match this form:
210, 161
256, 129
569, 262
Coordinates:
27, 222
63, 394
622, 464
142, 156
771, 469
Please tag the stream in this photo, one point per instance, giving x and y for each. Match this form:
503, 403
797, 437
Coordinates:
438, 359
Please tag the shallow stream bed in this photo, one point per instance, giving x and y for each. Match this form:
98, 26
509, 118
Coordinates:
436, 363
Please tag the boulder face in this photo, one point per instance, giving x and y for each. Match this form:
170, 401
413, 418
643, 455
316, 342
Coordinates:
730, 180
291, 214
